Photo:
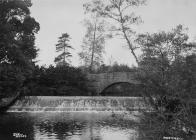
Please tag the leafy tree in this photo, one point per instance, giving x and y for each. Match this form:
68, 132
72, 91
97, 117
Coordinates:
164, 70
93, 43
17, 47
120, 12
63, 47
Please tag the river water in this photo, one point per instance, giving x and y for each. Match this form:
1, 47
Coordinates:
69, 126
72, 118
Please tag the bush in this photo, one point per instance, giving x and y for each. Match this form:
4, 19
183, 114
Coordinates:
57, 81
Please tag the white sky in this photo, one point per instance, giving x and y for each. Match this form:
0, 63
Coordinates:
65, 16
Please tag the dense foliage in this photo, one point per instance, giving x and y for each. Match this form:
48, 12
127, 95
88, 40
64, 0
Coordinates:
17, 48
167, 71
57, 81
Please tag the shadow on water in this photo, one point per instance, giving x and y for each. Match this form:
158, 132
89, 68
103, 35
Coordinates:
78, 126
11, 123
67, 126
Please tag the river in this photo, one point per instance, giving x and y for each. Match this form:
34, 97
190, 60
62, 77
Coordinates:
68, 126
72, 118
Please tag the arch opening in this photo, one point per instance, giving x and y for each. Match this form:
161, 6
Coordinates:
122, 89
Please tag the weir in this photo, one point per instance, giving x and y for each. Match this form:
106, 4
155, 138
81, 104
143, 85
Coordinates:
78, 103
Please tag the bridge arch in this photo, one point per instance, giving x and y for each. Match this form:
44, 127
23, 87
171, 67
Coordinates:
121, 89
101, 81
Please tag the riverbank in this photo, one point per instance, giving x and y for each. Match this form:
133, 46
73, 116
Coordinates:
8, 101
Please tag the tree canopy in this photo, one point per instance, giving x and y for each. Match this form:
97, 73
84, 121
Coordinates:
57, 81
17, 44
93, 43
121, 15
166, 70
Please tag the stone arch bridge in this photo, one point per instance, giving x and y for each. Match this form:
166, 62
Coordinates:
99, 82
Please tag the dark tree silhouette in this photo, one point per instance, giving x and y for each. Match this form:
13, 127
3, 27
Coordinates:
17, 47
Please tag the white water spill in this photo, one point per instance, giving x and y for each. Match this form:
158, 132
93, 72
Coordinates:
69, 104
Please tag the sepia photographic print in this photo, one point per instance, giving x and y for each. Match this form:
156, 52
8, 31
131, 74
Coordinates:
97, 69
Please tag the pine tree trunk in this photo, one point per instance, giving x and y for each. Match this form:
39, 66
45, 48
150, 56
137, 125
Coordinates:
93, 49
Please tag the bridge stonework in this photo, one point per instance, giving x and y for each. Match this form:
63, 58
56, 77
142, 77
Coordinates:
98, 82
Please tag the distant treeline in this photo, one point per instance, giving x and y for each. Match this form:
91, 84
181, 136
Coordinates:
110, 68
60, 80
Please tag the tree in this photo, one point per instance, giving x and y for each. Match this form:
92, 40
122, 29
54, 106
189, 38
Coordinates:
164, 71
17, 32
93, 43
120, 12
63, 47
57, 81
17, 47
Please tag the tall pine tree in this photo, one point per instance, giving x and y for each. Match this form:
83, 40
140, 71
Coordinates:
63, 47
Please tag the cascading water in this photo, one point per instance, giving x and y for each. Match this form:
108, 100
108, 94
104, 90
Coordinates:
78, 103
71, 118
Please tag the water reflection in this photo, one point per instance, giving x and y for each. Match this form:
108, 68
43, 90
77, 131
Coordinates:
67, 126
